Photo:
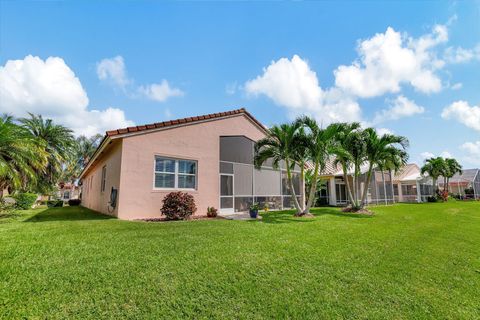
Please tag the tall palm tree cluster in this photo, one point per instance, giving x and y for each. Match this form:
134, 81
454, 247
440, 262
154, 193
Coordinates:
346, 145
36, 154
438, 167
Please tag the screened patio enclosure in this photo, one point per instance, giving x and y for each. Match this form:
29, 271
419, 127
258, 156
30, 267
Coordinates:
241, 184
384, 187
465, 185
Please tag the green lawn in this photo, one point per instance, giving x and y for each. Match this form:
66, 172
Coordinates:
405, 262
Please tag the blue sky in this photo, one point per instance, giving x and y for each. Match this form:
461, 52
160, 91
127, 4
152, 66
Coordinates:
406, 67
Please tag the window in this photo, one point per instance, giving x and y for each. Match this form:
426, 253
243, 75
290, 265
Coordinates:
66, 195
175, 174
104, 178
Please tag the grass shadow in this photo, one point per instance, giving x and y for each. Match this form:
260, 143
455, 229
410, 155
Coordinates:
286, 216
68, 214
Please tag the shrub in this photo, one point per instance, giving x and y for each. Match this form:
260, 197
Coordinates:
26, 200
432, 199
212, 212
443, 195
54, 203
6, 205
178, 205
74, 202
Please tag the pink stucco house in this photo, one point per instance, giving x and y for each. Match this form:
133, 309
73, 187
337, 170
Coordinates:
210, 157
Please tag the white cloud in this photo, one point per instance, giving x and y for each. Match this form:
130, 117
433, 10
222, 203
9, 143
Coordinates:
98, 121
160, 91
389, 59
113, 70
472, 147
289, 83
457, 86
51, 88
463, 113
426, 155
293, 84
39, 85
473, 152
382, 131
446, 154
399, 107
461, 55
231, 88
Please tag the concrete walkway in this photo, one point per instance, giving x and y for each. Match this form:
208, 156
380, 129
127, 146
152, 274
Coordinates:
239, 216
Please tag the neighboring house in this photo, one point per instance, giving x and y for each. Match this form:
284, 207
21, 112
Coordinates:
210, 157
407, 185
466, 184
67, 191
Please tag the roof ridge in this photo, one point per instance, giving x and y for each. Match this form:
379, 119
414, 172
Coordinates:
181, 121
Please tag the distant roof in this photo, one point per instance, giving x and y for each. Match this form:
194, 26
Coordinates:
467, 175
409, 172
185, 121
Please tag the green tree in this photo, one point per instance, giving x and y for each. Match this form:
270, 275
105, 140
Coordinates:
280, 145
85, 148
320, 146
342, 155
379, 151
355, 147
22, 158
58, 143
452, 167
434, 167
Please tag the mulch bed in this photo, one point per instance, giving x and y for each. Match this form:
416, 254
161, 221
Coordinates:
192, 218
357, 211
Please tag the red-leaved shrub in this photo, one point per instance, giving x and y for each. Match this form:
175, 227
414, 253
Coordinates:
212, 212
178, 206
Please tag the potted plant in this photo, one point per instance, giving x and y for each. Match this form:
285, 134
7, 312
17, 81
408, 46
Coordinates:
212, 212
254, 210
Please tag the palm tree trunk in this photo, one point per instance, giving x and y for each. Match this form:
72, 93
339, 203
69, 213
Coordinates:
313, 189
354, 189
302, 187
357, 187
384, 187
391, 183
367, 185
347, 184
292, 189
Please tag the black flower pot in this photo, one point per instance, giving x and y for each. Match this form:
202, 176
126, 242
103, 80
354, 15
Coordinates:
253, 213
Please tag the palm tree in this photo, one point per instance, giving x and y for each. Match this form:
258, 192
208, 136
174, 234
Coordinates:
434, 167
85, 148
356, 147
393, 162
58, 142
340, 151
453, 167
320, 145
280, 145
22, 158
379, 150
301, 154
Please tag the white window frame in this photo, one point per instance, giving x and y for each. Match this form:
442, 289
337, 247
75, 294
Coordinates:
176, 173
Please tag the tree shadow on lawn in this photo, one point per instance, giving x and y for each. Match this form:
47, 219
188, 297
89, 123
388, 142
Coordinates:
277, 217
68, 214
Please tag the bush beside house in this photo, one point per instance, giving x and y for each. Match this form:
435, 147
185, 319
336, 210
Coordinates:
178, 206
25, 201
